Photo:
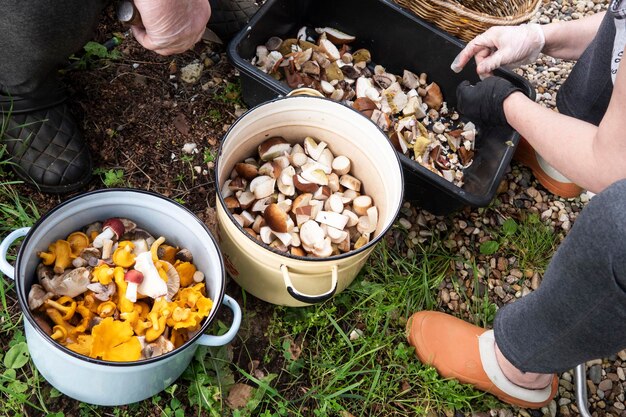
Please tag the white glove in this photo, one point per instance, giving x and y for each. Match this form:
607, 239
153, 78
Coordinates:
171, 26
502, 46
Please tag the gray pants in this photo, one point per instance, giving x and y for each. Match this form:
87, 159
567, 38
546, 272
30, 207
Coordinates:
579, 311
37, 38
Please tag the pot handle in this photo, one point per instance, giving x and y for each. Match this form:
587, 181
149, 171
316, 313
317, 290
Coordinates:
306, 298
305, 91
6, 268
210, 340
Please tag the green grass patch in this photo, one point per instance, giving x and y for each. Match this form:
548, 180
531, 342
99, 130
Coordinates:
530, 240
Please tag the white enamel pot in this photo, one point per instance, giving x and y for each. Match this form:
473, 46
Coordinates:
115, 383
281, 278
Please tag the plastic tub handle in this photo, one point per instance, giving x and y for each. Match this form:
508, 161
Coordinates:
208, 340
6, 268
306, 298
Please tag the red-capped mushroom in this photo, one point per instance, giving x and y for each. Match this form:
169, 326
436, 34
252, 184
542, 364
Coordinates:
133, 278
111, 228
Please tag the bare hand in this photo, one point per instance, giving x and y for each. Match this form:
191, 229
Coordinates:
171, 26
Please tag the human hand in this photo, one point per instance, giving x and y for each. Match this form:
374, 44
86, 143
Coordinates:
508, 46
171, 27
483, 102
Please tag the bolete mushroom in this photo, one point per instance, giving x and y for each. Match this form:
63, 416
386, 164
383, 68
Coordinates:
37, 296
273, 147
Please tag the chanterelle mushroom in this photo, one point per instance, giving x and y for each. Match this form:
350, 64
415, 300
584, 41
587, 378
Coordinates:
71, 283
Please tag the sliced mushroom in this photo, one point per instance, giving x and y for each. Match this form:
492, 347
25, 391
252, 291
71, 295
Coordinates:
312, 148
433, 97
353, 219
246, 170
361, 203
184, 255
273, 147
336, 220
350, 182
341, 165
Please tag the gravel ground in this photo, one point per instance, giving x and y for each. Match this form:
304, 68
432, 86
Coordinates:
606, 381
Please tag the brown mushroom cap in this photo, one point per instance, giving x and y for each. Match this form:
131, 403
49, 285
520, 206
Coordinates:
272, 148
276, 218
247, 171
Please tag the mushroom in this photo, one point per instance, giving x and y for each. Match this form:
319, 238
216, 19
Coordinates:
433, 97
303, 185
237, 184
350, 182
277, 219
77, 241
173, 279
152, 285
312, 148
262, 186
159, 347
246, 199
273, 43
353, 219
93, 229
341, 165
107, 248
44, 272
102, 292
185, 271
329, 49
323, 249
198, 276
37, 296
114, 340
410, 80
123, 255
336, 220
335, 203
133, 279
112, 228
315, 176
184, 255
335, 36
273, 147
247, 171
88, 257
70, 283
361, 203
311, 233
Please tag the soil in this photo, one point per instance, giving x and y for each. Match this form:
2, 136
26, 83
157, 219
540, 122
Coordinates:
137, 115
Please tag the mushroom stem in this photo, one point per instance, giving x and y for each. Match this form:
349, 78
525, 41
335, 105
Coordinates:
106, 234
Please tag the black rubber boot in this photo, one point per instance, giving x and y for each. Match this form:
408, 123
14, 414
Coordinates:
44, 143
229, 16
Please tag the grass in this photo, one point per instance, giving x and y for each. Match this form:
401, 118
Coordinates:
348, 356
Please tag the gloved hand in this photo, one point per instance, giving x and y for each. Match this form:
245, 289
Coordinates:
171, 27
507, 46
483, 102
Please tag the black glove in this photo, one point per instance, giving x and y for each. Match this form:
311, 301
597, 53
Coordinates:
483, 102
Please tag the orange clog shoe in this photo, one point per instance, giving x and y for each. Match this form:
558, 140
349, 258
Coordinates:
465, 352
550, 178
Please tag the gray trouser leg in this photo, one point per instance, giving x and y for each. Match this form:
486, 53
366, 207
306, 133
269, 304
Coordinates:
37, 37
579, 311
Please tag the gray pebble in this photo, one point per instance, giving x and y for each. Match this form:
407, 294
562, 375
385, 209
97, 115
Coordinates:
595, 374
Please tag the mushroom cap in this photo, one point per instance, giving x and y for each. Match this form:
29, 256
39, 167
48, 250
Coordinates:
116, 225
133, 276
276, 218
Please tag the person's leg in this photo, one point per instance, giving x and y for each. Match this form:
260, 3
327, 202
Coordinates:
40, 135
579, 311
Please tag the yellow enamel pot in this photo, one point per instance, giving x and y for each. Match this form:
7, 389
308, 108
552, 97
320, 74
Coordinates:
281, 278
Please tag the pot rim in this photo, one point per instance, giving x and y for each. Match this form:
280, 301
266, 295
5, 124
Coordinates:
372, 242
23, 301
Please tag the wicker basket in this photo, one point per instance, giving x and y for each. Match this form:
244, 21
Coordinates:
467, 18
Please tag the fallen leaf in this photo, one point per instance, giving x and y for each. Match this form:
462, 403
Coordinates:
180, 122
239, 396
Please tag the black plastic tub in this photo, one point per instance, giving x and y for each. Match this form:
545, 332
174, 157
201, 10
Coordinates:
397, 40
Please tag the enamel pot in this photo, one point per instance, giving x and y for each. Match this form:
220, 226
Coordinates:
282, 278
115, 383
